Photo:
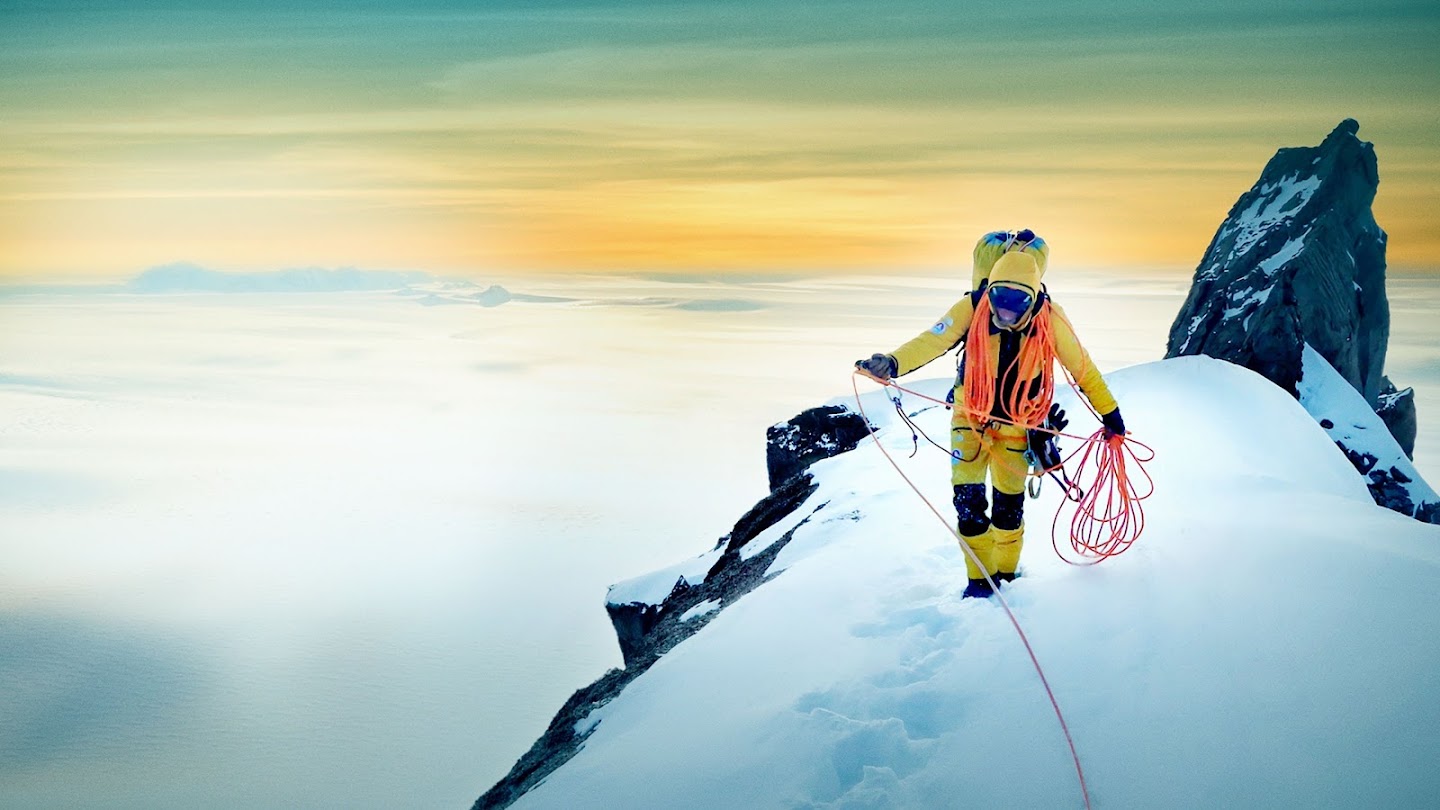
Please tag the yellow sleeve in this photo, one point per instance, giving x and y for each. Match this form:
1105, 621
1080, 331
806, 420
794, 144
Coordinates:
1077, 361
945, 335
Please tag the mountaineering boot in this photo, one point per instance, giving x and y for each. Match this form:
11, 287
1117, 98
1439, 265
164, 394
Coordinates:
978, 589
1003, 577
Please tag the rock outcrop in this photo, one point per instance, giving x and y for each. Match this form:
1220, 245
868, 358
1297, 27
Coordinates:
1300, 261
653, 613
791, 447
1397, 409
646, 629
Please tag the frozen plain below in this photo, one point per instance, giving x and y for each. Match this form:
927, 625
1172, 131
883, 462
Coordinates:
345, 550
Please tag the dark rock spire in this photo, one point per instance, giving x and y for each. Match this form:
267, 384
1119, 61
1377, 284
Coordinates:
1300, 259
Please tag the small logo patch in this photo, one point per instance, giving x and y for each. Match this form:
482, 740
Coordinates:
939, 328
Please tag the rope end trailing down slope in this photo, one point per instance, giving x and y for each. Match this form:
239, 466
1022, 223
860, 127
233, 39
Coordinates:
1108, 517
1015, 623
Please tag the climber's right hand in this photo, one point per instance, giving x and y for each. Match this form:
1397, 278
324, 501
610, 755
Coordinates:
879, 366
1056, 420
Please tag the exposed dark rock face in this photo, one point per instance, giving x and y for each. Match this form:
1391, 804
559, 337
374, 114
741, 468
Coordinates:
559, 743
1397, 410
729, 579
1386, 485
1428, 512
640, 627
819, 433
1298, 260
647, 631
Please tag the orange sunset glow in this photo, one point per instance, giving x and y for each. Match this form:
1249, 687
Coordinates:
659, 137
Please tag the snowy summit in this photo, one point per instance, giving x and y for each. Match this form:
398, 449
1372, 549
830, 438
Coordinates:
1269, 641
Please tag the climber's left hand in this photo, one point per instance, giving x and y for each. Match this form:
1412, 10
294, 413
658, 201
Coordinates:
880, 366
1114, 424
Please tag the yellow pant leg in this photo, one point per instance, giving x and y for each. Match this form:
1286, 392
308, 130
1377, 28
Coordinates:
969, 460
1007, 473
1006, 544
984, 547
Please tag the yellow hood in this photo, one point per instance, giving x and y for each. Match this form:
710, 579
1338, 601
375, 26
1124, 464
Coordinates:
1017, 268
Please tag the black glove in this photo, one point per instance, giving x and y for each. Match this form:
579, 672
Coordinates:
1056, 420
1114, 425
882, 366
1043, 448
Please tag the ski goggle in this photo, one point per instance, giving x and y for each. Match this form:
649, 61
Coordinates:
1008, 305
1007, 240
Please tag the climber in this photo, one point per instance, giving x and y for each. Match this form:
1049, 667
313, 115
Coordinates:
1003, 394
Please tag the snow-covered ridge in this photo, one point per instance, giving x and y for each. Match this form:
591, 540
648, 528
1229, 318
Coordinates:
1390, 476
653, 588
1236, 654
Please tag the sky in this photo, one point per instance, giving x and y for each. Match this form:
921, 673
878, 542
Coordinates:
730, 135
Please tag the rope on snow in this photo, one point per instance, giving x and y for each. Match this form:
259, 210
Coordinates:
1055, 704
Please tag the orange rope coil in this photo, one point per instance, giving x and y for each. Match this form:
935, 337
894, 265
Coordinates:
1108, 513
1027, 404
1108, 516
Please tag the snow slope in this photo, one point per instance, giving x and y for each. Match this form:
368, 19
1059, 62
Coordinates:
1272, 640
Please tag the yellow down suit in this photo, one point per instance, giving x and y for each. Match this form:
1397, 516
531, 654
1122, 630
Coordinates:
986, 442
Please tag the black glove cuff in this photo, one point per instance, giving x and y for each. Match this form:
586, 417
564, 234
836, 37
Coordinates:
1113, 422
